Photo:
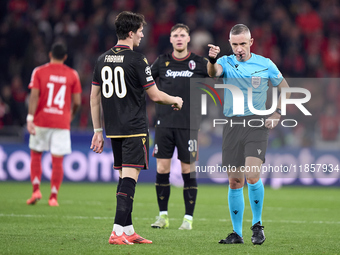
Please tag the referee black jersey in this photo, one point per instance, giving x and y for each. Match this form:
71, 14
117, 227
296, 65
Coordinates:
174, 79
123, 76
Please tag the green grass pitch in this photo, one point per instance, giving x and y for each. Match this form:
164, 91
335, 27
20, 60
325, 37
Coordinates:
297, 220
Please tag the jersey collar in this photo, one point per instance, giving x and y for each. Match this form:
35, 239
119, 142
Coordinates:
121, 46
251, 55
181, 59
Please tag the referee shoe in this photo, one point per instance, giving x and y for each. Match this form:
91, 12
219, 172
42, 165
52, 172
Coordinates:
232, 238
258, 234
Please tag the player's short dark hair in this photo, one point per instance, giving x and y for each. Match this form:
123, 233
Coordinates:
128, 21
180, 25
239, 29
59, 50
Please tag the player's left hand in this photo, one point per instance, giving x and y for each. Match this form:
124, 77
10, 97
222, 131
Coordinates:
97, 144
272, 120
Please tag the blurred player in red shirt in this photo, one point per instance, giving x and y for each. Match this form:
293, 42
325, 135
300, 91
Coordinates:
54, 100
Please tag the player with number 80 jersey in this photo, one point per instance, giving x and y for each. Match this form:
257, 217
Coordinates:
56, 84
123, 74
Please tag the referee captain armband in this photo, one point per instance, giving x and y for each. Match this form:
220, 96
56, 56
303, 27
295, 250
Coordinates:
212, 60
29, 117
98, 130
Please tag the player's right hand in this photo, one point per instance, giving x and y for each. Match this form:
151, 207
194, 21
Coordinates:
179, 103
213, 51
97, 144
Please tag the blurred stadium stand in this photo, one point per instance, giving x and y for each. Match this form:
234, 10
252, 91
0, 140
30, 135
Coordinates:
301, 37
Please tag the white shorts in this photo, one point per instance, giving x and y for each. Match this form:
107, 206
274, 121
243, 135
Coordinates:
55, 140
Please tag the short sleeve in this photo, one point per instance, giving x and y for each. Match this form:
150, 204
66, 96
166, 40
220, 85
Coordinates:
275, 75
77, 84
144, 73
96, 80
155, 68
34, 83
221, 62
205, 63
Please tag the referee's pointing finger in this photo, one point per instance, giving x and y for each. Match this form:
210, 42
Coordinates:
214, 48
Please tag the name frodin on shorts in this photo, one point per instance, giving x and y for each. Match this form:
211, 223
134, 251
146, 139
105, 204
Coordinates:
175, 74
114, 58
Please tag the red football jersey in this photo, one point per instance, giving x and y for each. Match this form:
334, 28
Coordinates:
56, 83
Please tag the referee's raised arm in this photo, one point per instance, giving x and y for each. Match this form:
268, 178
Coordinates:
214, 69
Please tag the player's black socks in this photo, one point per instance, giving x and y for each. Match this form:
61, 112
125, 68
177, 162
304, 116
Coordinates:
125, 196
163, 190
128, 219
189, 193
119, 184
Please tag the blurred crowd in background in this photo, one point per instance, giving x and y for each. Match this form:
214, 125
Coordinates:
302, 37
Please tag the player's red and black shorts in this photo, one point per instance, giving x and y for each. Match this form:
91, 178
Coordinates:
241, 139
131, 152
166, 139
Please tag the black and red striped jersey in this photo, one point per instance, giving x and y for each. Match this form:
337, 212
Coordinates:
123, 75
174, 79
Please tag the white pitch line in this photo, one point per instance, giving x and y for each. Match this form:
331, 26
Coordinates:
150, 219
56, 216
98, 203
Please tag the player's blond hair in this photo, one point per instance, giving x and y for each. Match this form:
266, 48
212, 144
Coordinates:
182, 26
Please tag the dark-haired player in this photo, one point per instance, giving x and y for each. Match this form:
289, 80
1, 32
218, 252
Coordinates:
244, 146
121, 79
173, 128
55, 98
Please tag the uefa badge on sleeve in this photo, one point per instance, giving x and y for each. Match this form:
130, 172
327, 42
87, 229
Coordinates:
255, 81
148, 70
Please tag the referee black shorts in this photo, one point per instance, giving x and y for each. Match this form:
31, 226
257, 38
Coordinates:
130, 152
166, 139
241, 140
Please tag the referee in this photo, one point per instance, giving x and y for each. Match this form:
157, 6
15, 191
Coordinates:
245, 146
